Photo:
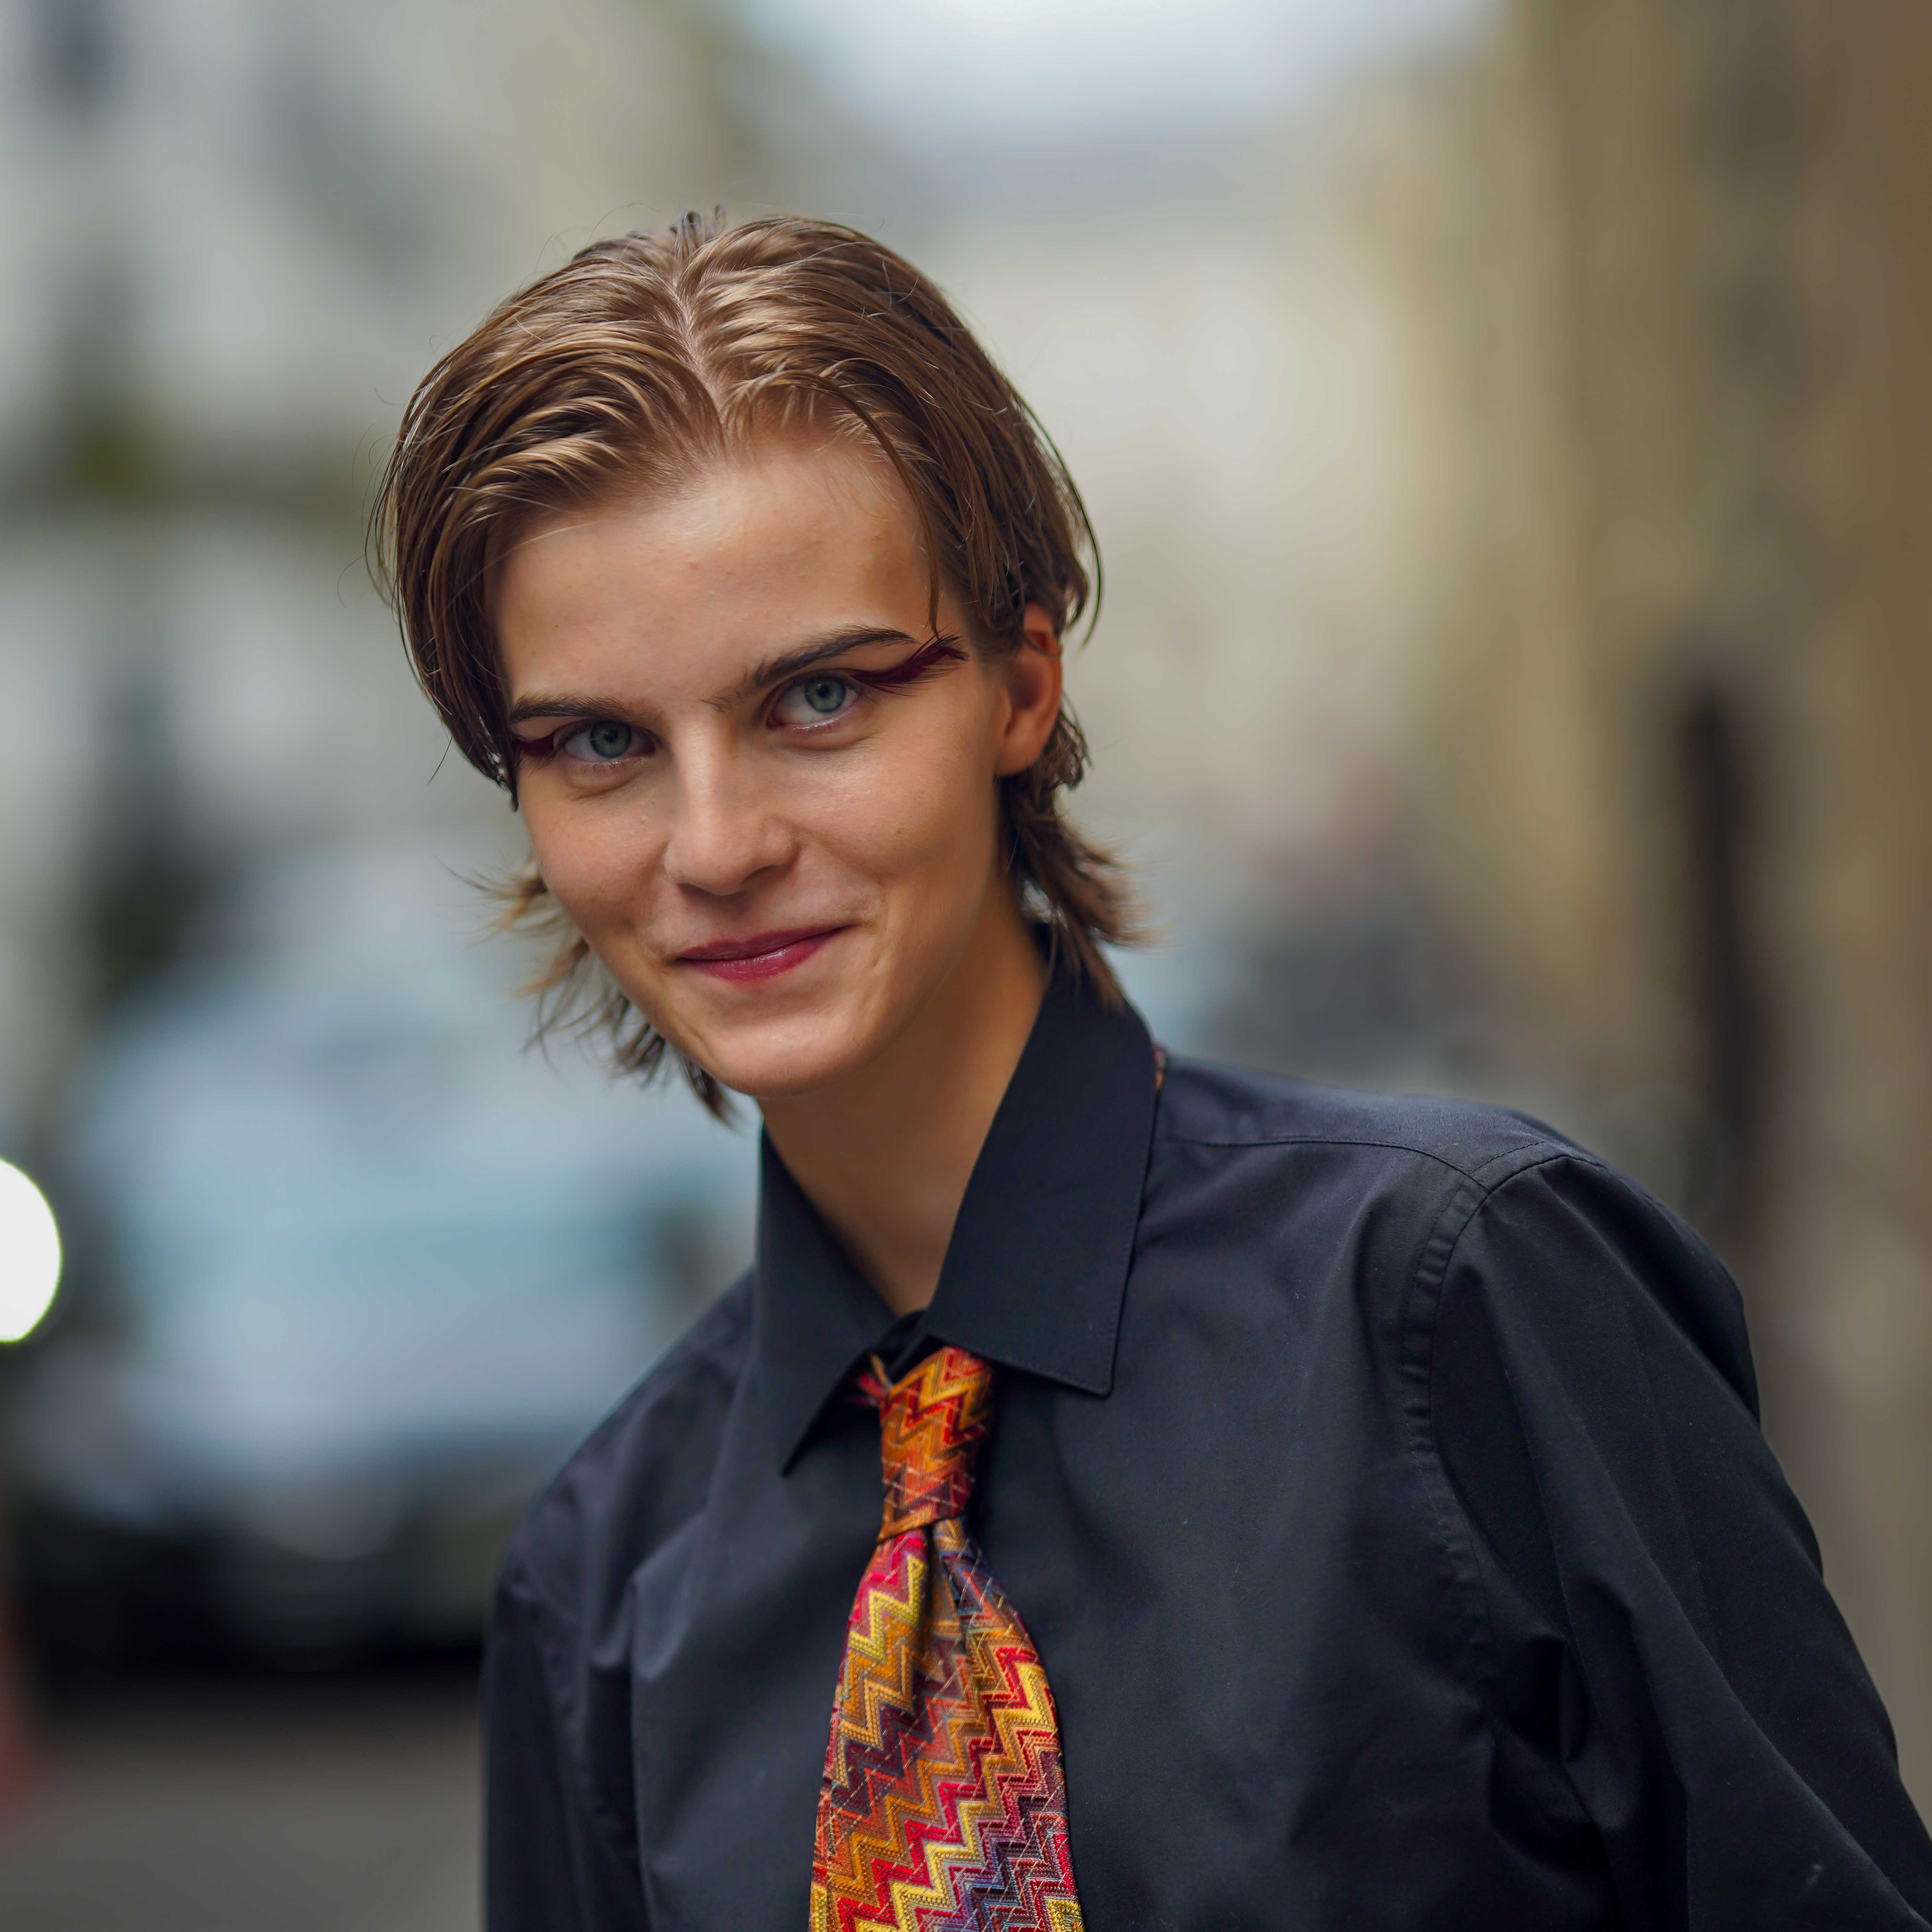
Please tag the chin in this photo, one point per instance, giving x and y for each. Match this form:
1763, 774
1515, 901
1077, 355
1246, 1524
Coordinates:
780, 1060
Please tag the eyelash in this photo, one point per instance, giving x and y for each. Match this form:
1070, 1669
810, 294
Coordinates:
931, 656
540, 751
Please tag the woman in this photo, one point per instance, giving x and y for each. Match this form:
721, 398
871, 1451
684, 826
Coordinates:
1300, 1509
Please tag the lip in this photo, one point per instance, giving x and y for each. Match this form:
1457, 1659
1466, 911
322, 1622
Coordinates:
759, 955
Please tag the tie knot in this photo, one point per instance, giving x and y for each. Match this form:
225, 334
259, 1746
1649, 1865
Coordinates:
931, 1425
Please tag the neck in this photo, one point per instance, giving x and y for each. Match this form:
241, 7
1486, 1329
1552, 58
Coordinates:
884, 1154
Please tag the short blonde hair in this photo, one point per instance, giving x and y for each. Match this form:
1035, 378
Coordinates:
648, 356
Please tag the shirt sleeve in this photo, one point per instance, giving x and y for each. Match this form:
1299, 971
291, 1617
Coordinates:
1662, 1638
555, 1859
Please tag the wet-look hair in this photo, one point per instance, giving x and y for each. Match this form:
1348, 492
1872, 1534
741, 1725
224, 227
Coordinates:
643, 361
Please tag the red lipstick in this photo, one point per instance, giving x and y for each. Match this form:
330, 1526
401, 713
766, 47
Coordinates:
761, 955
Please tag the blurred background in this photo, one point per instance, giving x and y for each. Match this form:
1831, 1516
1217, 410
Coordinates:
1508, 426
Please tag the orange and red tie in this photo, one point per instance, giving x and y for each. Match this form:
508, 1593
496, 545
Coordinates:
943, 1806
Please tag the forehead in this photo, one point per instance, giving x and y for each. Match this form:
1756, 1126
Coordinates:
690, 586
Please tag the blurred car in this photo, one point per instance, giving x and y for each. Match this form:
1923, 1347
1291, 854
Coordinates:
367, 1271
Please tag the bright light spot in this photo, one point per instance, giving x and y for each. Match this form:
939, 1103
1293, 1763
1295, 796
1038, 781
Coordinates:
30, 1255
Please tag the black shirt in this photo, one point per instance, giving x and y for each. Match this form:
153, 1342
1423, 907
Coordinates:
1379, 1479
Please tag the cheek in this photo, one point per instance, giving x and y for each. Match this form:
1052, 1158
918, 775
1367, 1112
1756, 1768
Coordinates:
594, 862
925, 815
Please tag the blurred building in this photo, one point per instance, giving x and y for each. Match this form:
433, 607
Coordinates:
239, 233
1681, 823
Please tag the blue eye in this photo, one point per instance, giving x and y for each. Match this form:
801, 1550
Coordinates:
603, 742
813, 700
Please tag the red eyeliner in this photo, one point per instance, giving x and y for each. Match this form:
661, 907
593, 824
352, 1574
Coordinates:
935, 652
930, 655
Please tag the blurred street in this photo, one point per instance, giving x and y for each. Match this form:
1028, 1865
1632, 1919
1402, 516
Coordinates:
335, 1804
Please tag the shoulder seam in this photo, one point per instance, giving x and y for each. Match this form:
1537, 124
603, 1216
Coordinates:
1529, 1152
610, 1826
1454, 1535
517, 1579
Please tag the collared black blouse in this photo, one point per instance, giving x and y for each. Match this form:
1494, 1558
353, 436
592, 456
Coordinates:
1379, 1479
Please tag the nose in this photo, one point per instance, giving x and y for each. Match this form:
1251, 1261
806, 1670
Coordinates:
723, 834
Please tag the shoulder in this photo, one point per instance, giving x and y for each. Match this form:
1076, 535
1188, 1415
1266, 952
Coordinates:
639, 1477
1435, 1139
1434, 1197
1351, 1194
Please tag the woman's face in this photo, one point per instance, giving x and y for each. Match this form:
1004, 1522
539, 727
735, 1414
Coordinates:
765, 799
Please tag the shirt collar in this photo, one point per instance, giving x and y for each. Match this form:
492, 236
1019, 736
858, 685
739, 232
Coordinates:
1037, 1266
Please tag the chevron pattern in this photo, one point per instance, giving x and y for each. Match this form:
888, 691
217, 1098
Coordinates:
943, 1805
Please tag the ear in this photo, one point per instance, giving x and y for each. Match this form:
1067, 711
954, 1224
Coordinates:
1032, 677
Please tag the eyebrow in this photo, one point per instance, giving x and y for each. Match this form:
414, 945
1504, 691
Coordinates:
788, 664
563, 704
770, 671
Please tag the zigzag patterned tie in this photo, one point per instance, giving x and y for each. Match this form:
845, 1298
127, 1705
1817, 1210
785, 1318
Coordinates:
943, 1807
